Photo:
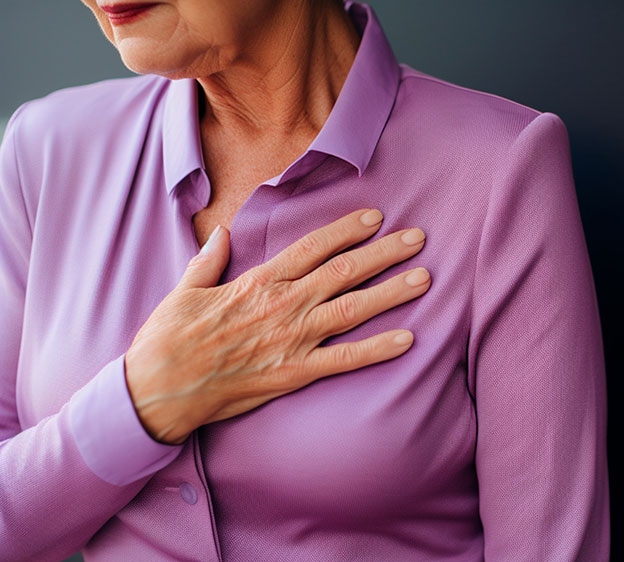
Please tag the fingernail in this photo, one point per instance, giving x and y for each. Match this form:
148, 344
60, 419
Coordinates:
371, 217
413, 236
403, 338
211, 240
417, 277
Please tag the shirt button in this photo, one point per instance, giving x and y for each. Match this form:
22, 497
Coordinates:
188, 493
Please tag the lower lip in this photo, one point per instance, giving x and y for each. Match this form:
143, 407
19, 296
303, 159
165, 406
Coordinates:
129, 15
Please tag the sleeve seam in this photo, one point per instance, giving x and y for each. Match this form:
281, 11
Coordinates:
478, 254
13, 122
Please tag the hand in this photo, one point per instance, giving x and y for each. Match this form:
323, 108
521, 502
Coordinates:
209, 352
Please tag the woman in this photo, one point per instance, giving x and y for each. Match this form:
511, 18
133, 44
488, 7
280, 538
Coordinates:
162, 403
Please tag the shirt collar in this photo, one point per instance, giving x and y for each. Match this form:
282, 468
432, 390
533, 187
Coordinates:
350, 133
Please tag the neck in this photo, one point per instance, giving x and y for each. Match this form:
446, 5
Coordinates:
286, 81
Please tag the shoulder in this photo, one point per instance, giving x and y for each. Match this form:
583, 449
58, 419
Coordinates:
75, 113
69, 133
486, 121
471, 131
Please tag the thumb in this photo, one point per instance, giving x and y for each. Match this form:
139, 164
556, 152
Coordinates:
206, 267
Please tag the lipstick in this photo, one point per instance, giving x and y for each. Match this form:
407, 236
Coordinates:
125, 13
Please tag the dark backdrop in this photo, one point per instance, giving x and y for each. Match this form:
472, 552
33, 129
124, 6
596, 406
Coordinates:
562, 56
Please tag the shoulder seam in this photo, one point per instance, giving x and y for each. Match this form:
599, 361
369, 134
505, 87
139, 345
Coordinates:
79, 89
467, 89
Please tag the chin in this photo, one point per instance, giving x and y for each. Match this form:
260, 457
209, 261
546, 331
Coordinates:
142, 58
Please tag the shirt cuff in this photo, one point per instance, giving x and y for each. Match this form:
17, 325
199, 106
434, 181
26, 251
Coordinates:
109, 433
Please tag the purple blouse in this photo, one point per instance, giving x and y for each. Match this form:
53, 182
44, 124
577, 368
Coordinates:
484, 441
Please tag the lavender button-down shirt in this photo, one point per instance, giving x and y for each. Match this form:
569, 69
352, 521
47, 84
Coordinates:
485, 440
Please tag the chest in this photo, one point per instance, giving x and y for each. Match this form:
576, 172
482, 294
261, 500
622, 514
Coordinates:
381, 441
220, 210
228, 193
235, 169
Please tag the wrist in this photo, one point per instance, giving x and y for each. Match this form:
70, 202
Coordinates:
157, 413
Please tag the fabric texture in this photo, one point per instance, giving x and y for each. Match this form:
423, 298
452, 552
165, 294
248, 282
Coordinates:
486, 440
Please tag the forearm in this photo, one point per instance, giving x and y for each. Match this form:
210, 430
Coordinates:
60, 482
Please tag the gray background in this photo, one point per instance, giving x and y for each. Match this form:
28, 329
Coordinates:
563, 56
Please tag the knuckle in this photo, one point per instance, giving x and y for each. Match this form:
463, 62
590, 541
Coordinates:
194, 262
294, 295
285, 380
245, 285
278, 300
321, 321
312, 245
307, 243
279, 381
346, 308
276, 268
280, 336
345, 354
257, 276
278, 311
285, 371
301, 374
242, 293
341, 267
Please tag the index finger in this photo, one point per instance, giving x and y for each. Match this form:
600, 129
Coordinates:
310, 251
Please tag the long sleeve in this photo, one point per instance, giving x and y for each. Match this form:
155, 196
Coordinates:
536, 363
63, 478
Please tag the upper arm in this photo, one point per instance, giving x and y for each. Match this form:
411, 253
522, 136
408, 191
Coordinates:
536, 362
15, 244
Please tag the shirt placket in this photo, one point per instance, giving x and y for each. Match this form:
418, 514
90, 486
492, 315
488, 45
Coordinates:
247, 249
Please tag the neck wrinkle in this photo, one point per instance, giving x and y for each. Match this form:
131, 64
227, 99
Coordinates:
291, 79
